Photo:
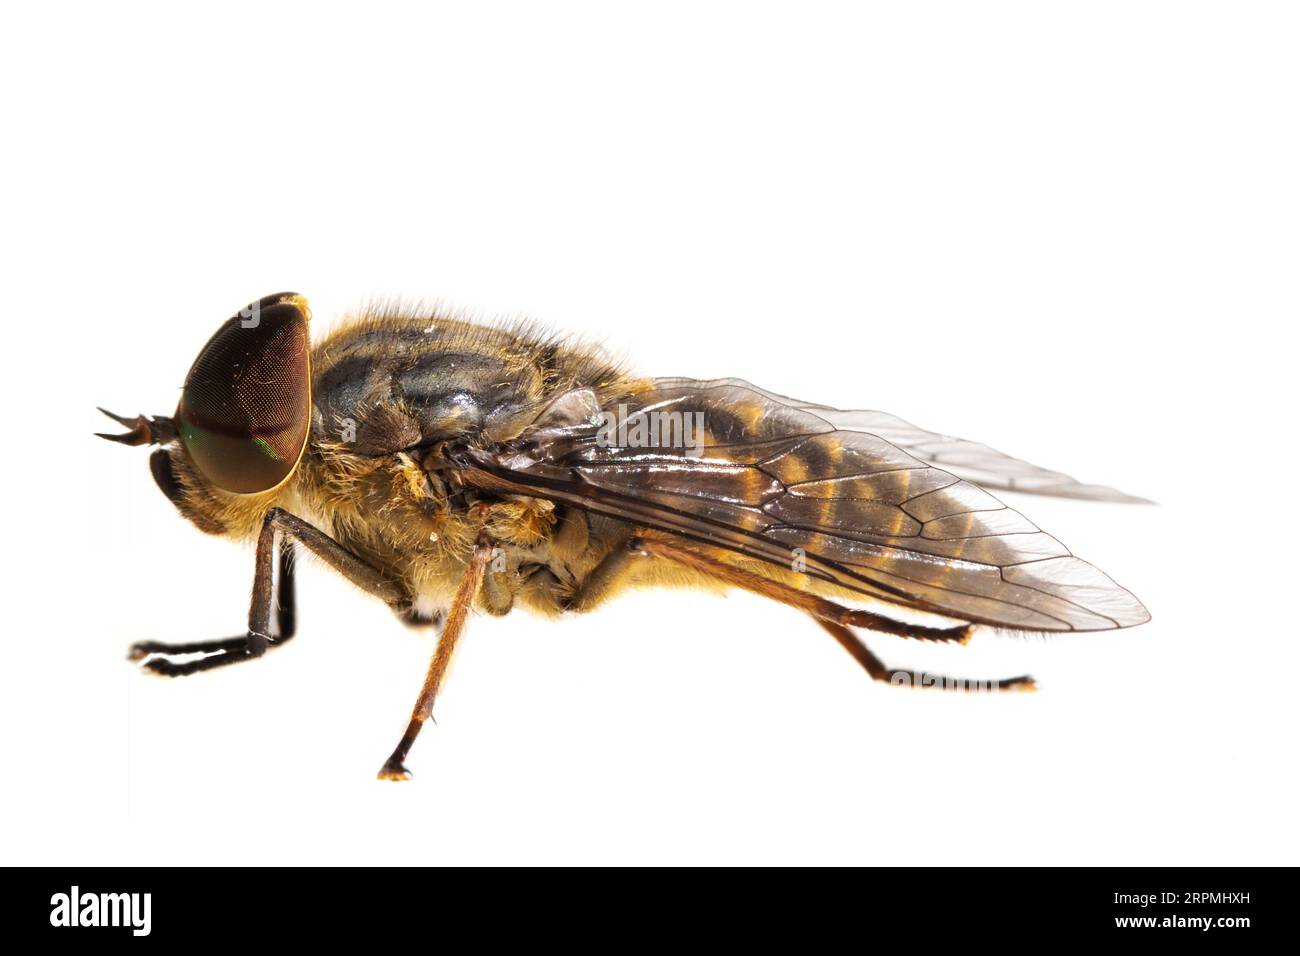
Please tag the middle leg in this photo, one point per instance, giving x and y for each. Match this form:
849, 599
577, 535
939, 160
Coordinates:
394, 767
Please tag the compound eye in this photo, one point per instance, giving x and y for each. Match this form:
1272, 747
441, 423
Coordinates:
245, 411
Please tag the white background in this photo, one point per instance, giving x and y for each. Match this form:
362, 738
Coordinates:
1067, 230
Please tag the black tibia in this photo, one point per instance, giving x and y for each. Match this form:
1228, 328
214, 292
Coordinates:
286, 594
394, 767
876, 668
273, 611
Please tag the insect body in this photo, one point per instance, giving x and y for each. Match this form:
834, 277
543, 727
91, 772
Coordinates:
443, 466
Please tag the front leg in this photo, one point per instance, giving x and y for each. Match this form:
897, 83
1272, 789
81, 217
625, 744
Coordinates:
268, 601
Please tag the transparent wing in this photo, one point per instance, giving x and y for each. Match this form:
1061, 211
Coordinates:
974, 461
732, 466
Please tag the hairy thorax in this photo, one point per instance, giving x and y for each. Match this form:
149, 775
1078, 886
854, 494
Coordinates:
390, 394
